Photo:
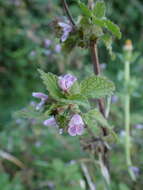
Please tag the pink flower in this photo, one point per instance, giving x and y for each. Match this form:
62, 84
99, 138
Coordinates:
76, 125
67, 28
50, 122
65, 82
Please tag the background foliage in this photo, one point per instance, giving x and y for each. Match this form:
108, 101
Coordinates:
47, 157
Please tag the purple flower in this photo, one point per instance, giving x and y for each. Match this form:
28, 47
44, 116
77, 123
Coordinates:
114, 99
50, 122
33, 53
41, 96
47, 43
103, 66
138, 126
58, 48
65, 82
76, 125
66, 28
135, 169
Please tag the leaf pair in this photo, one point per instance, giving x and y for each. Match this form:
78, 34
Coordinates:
97, 16
91, 87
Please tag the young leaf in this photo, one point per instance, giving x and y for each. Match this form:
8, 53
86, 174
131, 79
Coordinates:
96, 87
94, 116
75, 88
77, 99
99, 9
113, 28
97, 21
51, 82
107, 39
85, 10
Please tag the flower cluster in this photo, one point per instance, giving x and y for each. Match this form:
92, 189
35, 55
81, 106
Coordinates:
66, 28
75, 125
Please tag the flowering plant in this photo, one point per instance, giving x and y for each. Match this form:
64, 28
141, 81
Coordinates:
69, 107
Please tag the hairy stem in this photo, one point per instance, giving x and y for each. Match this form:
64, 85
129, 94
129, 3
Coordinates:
96, 67
68, 12
127, 120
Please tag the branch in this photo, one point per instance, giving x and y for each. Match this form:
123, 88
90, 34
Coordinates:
96, 67
87, 176
68, 12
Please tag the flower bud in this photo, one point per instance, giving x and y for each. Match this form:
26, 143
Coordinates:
50, 122
76, 125
40, 95
128, 45
65, 82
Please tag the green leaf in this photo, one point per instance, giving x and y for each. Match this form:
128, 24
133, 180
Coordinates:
51, 82
113, 28
96, 87
99, 9
85, 10
107, 39
29, 113
94, 116
77, 99
97, 21
75, 88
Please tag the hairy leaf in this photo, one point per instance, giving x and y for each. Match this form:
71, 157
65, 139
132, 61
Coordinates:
75, 88
99, 9
94, 116
97, 21
85, 10
96, 87
113, 28
51, 82
76, 99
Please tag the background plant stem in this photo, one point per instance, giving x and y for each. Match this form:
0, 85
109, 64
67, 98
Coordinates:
127, 120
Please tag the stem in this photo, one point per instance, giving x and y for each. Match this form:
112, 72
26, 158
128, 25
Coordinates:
96, 67
68, 12
127, 120
87, 176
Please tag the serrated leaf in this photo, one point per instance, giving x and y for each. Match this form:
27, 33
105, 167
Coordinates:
94, 116
96, 87
77, 99
85, 10
51, 82
97, 21
113, 28
99, 9
75, 88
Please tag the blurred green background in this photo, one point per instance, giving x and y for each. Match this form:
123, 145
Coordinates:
28, 43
